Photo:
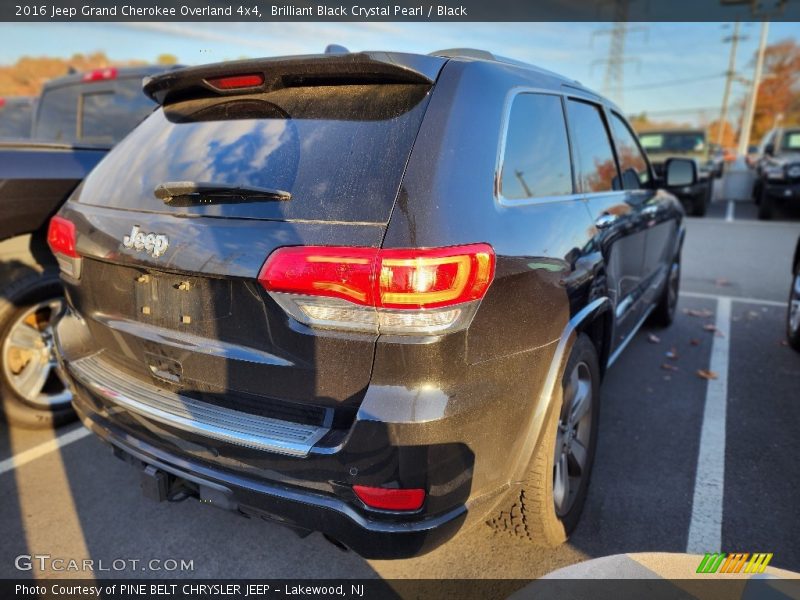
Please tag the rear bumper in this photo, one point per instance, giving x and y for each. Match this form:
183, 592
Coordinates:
403, 437
293, 507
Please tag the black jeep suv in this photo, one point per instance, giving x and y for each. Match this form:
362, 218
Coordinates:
369, 294
778, 172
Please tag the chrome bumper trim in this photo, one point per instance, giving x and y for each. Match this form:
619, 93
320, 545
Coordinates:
194, 416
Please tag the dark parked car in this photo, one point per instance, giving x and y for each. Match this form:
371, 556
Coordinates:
77, 119
793, 315
778, 172
692, 144
15, 117
370, 294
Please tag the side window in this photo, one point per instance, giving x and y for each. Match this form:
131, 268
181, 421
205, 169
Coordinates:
536, 159
596, 169
632, 163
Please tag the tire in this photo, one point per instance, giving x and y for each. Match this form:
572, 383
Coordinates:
765, 209
664, 313
27, 307
538, 512
699, 207
793, 314
700, 203
757, 192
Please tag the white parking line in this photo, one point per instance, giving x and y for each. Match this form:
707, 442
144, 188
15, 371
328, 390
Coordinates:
705, 528
729, 212
47, 447
734, 299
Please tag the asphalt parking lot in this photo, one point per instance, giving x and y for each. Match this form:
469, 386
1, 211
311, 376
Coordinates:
649, 490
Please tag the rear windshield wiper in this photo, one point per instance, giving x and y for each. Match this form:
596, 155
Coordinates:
190, 193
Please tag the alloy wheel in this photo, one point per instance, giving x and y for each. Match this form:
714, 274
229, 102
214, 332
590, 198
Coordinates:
573, 439
29, 362
794, 306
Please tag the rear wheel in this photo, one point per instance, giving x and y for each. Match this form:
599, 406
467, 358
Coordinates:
34, 391
793, 316
547, 507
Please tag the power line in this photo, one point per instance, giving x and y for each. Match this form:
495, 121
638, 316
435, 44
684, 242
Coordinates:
678, 111
662, 83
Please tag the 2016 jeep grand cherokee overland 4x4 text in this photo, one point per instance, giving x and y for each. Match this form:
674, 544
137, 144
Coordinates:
371, 294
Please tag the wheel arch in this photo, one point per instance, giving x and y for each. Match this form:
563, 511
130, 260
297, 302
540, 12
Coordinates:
596, 317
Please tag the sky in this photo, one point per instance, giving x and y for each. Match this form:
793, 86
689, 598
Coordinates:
673, 69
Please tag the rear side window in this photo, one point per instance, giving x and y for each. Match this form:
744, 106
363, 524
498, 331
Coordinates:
340, 151
596, 169
96, 113
632, 163
536, 159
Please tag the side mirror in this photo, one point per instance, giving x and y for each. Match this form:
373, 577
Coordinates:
769, 149
680, 172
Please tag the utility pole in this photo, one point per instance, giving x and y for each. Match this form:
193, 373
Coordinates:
750, 109
729, 74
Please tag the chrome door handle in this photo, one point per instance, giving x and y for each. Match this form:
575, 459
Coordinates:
605, 221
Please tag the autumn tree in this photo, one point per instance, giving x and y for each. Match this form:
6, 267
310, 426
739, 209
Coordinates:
779, 92
728, 134
167, 59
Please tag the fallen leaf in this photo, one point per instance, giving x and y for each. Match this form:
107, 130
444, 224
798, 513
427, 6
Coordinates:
653, 339
672, 354
669, 367
705, 374
699, 313
710, 327
721, 282
718, 333
694, 342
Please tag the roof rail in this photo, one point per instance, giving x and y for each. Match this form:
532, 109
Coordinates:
464, 53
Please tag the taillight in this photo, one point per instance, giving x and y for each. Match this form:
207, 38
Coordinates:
61, 238
390, 498
236, 82
100, 75
430, 290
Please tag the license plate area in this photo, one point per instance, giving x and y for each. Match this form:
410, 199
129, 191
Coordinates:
180, 302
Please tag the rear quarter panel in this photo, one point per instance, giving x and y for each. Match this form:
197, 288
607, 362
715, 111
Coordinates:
492, 375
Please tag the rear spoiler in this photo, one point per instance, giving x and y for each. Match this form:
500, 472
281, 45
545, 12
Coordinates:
268, 74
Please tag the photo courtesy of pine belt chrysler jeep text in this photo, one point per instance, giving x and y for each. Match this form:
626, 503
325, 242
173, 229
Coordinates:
367, 294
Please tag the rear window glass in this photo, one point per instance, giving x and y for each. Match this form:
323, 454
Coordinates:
15, 119
96, 113
340, 151
107, 117
673, 142
791, 140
